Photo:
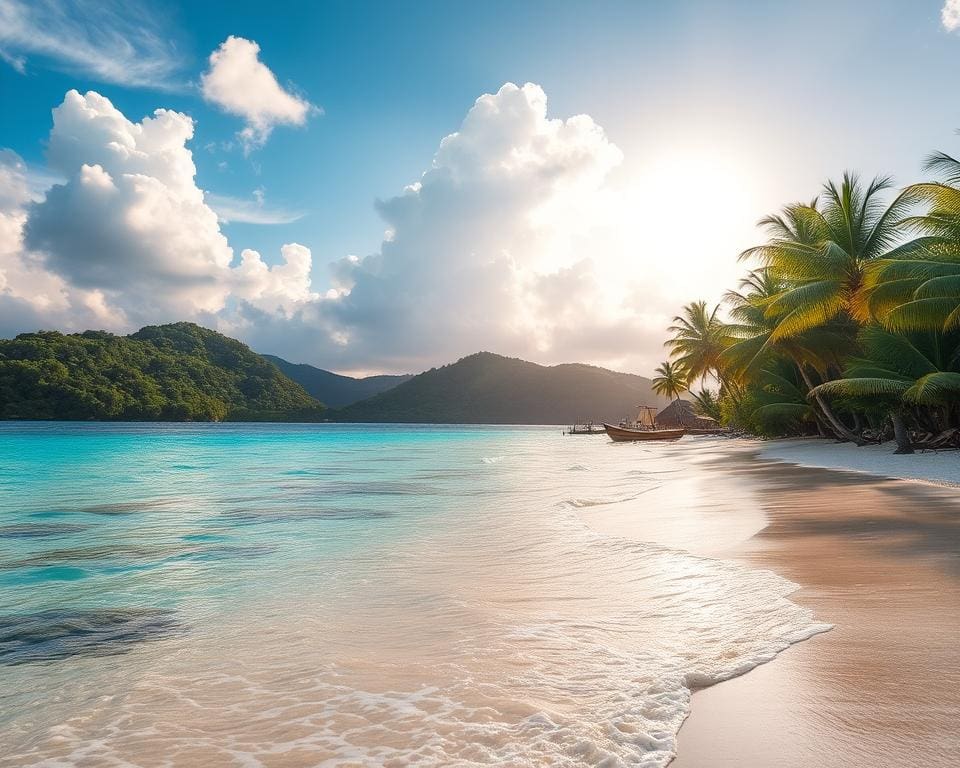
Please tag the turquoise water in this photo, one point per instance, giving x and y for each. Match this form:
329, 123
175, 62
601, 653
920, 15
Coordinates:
144, 515
352, 595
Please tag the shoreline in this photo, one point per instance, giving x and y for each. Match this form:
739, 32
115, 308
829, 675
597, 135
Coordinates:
876, 556
936, 468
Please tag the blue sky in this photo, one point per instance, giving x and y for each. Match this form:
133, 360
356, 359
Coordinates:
770, 98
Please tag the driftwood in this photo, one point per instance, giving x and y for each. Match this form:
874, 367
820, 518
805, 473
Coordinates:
946, 440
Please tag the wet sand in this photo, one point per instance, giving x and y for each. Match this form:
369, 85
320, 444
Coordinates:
877, 558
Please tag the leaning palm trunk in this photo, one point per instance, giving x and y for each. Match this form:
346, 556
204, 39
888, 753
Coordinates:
901, 433
728, 387
842, 431
821, 430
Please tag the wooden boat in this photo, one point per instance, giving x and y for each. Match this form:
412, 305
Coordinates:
624, 434
643, 428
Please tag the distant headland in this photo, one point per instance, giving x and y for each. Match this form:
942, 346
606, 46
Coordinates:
184, 372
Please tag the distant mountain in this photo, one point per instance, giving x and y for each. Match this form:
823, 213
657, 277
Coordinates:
178, 372
332, 389
489, 389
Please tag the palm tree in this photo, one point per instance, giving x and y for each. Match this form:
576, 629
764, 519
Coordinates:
751, 329
917, 285
671, 382
699, 338
818, 251
755, 342
841, 314
707, 404
779, 398
921, 369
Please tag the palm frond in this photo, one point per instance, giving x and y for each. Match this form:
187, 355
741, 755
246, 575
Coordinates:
945, 286
782, 411
934, 388
896, 351
943, 164
922, 315
864, 387
807, 306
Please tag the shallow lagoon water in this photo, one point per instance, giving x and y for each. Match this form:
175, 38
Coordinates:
285, 595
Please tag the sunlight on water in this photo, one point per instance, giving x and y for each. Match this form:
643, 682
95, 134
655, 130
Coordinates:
288, 595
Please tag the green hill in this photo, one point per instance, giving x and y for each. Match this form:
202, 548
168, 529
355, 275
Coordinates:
489, 389
178, 372
332, 389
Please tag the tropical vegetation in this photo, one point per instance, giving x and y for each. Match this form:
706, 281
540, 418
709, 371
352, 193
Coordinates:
178, 372
847, 323
671, 382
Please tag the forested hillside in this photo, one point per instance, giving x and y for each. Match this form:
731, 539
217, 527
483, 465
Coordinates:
333, 389
178, 372
489, 389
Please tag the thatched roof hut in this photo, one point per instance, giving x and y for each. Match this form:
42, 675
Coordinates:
670, 416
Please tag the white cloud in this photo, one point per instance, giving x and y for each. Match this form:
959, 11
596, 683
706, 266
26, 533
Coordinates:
130, 214
19, 63
128, 235
232, 209
14, 197
513, 240
493, 248
14, 189
116, 42
242, 85
950, 15
281, 289
31, 296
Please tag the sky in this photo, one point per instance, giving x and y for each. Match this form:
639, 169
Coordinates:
386, 187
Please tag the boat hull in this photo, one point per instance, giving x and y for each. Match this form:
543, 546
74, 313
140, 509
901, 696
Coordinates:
623, 434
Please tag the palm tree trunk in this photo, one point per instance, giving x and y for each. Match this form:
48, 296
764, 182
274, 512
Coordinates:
727, 387
821, 430
838, 426
901, 433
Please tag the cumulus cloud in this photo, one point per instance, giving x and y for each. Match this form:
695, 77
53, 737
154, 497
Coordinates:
14, 197
483, 249
507, 242
497, 246
950, 15
30, 295
127, 234
130, 215
242, 85
281, 289
116, 42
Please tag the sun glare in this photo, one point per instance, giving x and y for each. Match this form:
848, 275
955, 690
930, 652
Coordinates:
690, 214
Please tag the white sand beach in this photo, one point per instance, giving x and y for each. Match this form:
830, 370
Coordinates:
938, 467
878, 558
